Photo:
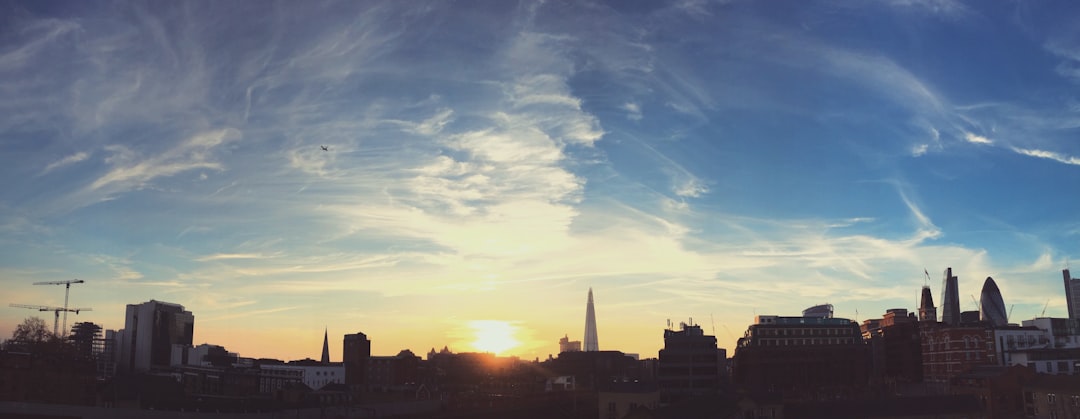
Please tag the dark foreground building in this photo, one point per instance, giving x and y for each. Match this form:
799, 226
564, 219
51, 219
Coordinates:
690, 363
804, 358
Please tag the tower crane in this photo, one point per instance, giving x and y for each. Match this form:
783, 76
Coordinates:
67, 289
57, 310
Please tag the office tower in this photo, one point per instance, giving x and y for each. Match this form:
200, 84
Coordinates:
927, 311
690, 363
991, 305
1072, 294
591, 342
156, 335
950, 300
355, 356
325, 347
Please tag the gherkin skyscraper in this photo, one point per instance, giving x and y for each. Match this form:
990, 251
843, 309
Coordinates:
991, 305
591, 343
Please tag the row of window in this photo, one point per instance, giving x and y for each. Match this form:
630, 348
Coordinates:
803, 342
803, 332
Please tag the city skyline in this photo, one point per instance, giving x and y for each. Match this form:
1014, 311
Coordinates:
432, 173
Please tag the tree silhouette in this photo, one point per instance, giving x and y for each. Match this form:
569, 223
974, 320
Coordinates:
33, 335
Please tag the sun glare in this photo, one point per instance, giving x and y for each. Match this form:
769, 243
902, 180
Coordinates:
493, 336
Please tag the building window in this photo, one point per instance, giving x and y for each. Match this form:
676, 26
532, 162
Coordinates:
1050, 397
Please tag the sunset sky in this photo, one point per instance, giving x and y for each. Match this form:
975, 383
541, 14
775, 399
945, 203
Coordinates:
490, 161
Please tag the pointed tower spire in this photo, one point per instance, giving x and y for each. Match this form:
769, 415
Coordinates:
591, 343
325, 347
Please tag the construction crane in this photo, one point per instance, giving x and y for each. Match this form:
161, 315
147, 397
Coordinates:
57, 310
67, 289
977, 305
1043, 314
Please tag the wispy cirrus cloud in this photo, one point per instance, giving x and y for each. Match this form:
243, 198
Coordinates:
1043, 154
129, 171
66, 161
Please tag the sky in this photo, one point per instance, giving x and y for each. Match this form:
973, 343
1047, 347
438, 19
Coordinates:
487, 162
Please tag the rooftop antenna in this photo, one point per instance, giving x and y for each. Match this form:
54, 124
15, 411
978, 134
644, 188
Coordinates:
926, 276
67, 289
713, 321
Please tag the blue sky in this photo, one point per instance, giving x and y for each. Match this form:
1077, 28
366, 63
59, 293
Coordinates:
491, 161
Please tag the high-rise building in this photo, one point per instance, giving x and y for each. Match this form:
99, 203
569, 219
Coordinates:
927, 311
690, 363
1072, 294
591, 342
950, 300
156, 335
325, 347
991, 305
355, 356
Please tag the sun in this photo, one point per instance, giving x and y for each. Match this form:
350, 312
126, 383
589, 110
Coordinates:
495, 336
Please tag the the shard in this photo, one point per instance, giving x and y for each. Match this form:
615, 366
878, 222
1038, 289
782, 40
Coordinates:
591, 343
325, 347
950, 299
991, 305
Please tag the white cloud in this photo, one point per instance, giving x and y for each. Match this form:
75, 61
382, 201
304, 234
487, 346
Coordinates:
228, 256
1043, 154
976, 139
633, 111
947, 8
66, 161
919, 150
130, 172
691, 188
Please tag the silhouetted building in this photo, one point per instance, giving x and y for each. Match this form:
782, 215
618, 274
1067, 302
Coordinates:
591, 369
591, 341
355, 353
618, 399
927, 311
821, 310
950, 300
567, 345
1052, 397
207, 355
998, 389
690, 363
325, 347
1072, 294
950, 351
969, 317
803, 357
156, 335
393, 373
895, 347
991, 305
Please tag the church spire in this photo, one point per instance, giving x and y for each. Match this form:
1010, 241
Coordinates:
325, 347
